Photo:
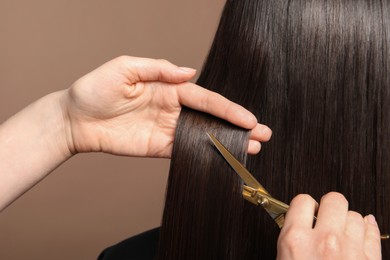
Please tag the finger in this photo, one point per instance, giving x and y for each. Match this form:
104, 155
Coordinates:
254, 147
372, 241
355, 227
198, 98
332, 212
144, 69
301, 212
261, 133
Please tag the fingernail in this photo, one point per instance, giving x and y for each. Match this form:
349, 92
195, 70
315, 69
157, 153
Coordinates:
187, 70
371, 219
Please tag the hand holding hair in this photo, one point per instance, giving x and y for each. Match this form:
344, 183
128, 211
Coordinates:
338, 233
128, 106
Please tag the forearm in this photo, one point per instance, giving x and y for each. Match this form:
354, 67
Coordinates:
32, 144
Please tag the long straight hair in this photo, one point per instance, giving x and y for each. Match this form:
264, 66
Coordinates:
318, 73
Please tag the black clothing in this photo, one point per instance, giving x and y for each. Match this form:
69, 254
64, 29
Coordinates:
139, 247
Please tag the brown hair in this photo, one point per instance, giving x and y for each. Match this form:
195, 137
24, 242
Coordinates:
315, 71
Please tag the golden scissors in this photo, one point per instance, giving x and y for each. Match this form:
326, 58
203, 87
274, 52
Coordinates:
253, 191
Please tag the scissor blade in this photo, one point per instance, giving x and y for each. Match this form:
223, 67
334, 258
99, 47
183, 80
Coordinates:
245, 175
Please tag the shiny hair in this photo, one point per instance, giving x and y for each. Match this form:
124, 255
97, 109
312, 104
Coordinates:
317, 72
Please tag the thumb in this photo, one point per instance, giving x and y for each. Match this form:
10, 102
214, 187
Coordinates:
145, 69
372, 245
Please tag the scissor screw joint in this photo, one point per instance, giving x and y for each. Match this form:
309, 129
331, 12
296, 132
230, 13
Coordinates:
251, 195
263, 202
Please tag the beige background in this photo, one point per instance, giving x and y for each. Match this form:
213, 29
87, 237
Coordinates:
93, 200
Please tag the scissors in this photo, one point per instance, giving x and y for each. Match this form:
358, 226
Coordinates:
253, 191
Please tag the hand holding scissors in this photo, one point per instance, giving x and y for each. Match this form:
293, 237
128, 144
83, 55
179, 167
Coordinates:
335, 233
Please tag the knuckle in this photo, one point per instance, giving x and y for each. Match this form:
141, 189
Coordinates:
355, 224
302, 198
292, 239
122, 58
164, 62
330, 245
355, 216
125, 62
336, 197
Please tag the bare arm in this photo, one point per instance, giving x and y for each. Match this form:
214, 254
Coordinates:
32, 144
128, 106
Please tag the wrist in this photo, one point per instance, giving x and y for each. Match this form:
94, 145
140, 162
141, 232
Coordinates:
60, 123
49, 125
33, 143
42, 127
